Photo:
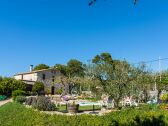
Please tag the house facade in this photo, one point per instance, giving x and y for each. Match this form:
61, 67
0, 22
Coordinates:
46, 76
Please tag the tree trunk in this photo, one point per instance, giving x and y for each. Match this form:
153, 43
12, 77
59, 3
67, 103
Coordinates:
116, 103
145, 96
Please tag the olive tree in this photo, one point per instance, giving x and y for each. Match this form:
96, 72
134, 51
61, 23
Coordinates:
71, 74
143, 81
110, 76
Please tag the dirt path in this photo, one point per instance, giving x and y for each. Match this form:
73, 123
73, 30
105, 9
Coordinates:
4, 102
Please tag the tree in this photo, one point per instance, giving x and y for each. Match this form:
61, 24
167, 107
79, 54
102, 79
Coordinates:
40, 67
162, 83
103, 64
62, 69
118, 86
92, 80
70, 74
70, 82
75, 68
143, 81
101, 70
38, 87
103, 58
8, 85
113, 76
1, 78
118, 78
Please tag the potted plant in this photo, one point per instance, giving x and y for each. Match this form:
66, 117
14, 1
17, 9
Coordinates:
73, 107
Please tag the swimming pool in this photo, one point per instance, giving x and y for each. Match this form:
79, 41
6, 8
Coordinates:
89, 104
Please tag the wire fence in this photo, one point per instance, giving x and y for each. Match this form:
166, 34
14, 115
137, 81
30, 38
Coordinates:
156, 65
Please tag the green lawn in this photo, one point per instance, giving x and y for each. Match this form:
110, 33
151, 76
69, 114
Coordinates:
14, 114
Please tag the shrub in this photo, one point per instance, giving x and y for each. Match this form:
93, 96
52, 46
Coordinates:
126, 117
38, 87
47, 91
31, 94
31, 101
41, 103
18, 93
8, 85
44, 104
59, 91
20, 99
28, 101
34, 101
164, 97
162, 106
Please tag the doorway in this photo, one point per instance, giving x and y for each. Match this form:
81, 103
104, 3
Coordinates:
52, 90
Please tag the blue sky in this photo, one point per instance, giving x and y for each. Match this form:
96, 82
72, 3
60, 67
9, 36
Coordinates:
54, 31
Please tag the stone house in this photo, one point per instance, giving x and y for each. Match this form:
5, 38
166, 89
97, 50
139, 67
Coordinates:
46, 76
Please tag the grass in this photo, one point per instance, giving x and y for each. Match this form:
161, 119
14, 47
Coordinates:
14, 114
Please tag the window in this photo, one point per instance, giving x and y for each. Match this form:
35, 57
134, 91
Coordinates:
52, 90
53, 79
44, 77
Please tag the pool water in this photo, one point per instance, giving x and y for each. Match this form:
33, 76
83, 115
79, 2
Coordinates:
89, 103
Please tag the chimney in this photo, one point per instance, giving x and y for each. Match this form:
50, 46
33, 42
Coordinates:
31, 68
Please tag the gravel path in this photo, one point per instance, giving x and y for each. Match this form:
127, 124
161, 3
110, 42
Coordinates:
5, 101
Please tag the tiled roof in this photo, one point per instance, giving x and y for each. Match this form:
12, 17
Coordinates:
36, 71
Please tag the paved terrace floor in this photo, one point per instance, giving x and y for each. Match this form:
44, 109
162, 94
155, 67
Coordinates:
5, 101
